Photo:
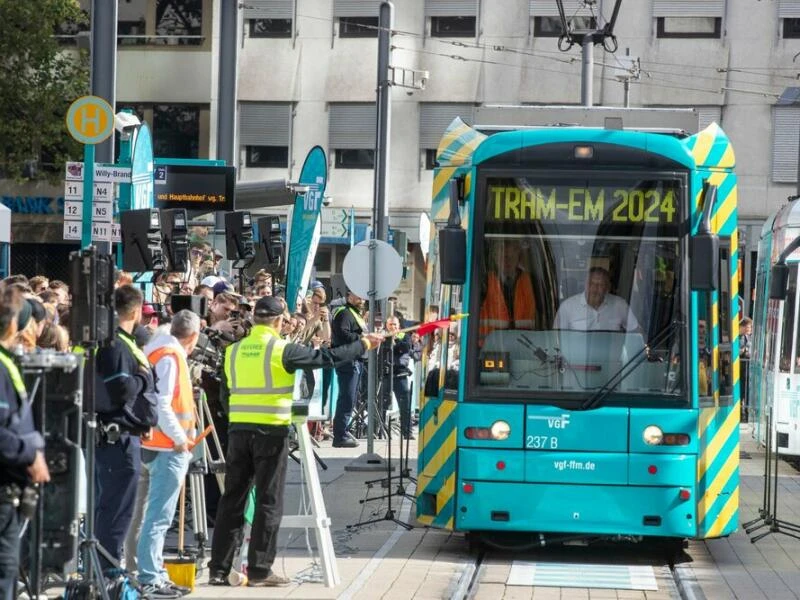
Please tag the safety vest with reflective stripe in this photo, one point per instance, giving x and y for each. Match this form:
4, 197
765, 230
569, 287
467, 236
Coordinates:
182, 400
16, 377
137, 352
354, 312
494, 311
260, 387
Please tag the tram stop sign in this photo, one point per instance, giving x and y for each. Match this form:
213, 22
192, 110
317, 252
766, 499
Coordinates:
388, 269
90, 120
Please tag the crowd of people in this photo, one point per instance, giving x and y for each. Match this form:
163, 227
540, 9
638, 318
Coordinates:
146, 376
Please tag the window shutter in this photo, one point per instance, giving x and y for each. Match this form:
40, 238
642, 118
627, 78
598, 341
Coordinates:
264, 123
789, 9
268, 9
786, 131
451, 8
549, 8
434, 117
688, 8
356, 8
351, 126
707, 115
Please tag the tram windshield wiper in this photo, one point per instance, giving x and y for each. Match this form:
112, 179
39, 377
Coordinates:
629, 367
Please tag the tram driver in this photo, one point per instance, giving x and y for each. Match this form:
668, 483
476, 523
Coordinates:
595, 309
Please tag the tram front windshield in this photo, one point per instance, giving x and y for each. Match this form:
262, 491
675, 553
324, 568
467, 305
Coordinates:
576, 288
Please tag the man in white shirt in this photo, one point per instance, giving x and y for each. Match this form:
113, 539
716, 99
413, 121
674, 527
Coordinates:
167, 453
595, 309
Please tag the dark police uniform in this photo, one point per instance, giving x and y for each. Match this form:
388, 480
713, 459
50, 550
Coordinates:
395, 359
124, 413
19, 442
258, 387
348, 326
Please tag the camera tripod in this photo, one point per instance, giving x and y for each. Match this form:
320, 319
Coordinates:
768, 515
200, 466
359, 422
390, 513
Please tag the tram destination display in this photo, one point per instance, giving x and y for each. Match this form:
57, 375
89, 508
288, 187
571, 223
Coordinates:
196, 188
643, 202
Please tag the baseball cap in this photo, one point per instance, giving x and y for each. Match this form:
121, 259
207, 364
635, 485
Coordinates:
218, 253
211, 281
269, 306
315, 285
148, 310
223, 286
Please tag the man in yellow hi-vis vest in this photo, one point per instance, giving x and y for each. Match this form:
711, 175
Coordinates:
258, 385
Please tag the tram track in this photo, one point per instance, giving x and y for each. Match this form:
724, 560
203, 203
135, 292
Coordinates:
681, 581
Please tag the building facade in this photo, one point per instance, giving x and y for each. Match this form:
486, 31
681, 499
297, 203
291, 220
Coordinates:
307, 76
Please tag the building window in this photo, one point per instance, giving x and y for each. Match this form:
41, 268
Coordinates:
131, 33
430, 159
176, 131
453, 26
270, 28
268, 157
353, 27
791, 28
551, 26
179, 22
689, 27
355, 159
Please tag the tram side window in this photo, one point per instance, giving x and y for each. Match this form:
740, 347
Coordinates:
704, 365
724, 304
788, 324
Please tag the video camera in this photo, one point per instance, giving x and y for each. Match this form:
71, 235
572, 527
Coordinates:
208, 353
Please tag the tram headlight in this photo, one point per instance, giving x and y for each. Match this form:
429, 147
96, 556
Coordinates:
653, 436
500, 430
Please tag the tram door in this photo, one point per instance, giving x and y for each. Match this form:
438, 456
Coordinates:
785, 387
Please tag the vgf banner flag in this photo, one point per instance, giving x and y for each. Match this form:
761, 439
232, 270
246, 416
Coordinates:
304, 232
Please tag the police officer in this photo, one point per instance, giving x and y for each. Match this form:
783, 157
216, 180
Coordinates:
348, 326
258, 383
396, 359
126, 409
21, 447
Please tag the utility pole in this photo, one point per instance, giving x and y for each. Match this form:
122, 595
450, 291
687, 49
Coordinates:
587, 38
388, 76
104, 74
630, 69
226, 88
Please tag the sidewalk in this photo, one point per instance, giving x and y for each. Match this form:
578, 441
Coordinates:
380, 560
734, 567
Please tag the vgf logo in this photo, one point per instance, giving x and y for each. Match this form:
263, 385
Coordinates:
558, 422
311, 199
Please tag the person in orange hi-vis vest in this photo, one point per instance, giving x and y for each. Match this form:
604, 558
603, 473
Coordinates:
509, 302
166, 455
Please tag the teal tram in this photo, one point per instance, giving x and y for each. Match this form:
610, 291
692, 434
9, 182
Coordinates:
775, 362
593, 390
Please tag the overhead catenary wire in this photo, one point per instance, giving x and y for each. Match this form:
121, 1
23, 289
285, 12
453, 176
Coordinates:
558, 57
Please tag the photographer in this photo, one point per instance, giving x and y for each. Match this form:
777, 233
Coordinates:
126, 410
21, 447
